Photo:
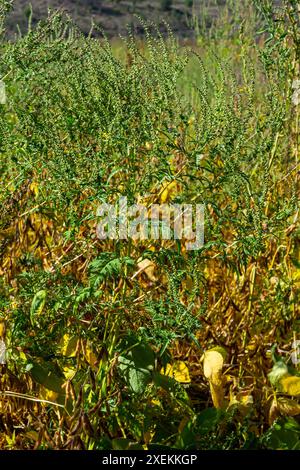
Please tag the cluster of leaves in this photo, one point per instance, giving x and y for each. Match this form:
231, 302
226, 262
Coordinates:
102, 335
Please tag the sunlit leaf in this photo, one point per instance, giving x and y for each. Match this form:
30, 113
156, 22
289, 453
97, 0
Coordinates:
278, 371
148, 267
178, 371
168, 191
213, 361
68, 345
90, 356
290, 385
69, 372
212, 365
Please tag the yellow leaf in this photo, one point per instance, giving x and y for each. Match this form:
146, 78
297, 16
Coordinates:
212, 365
288, 407
247, 399
213, 361
296, 278
34, 188
90, 356
168, 191
220, 350
290, 385
217, 394
69, 372
68, 345
283, 406
273, 412
49, 395
148, 267
2, 329
23, 356
178, 371
156, 402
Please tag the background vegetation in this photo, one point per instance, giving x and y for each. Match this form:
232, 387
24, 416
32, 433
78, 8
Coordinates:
123, 344
112, 15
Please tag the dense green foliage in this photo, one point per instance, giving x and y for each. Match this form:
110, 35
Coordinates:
89, 334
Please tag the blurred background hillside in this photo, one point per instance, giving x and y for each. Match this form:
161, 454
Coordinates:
114, 16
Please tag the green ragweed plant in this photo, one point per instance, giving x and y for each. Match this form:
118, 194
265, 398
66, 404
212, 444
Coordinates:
106, 340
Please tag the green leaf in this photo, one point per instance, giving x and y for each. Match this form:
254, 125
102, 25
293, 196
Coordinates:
171, 386
37, 305
143, 356
208, 420
137, 364
68, 345
45, 375
120, 444
167, 383
285, 379
278, 371
187, 438
284, 435
137, 378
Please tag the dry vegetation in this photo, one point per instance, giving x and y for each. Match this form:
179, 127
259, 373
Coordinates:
142, 344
